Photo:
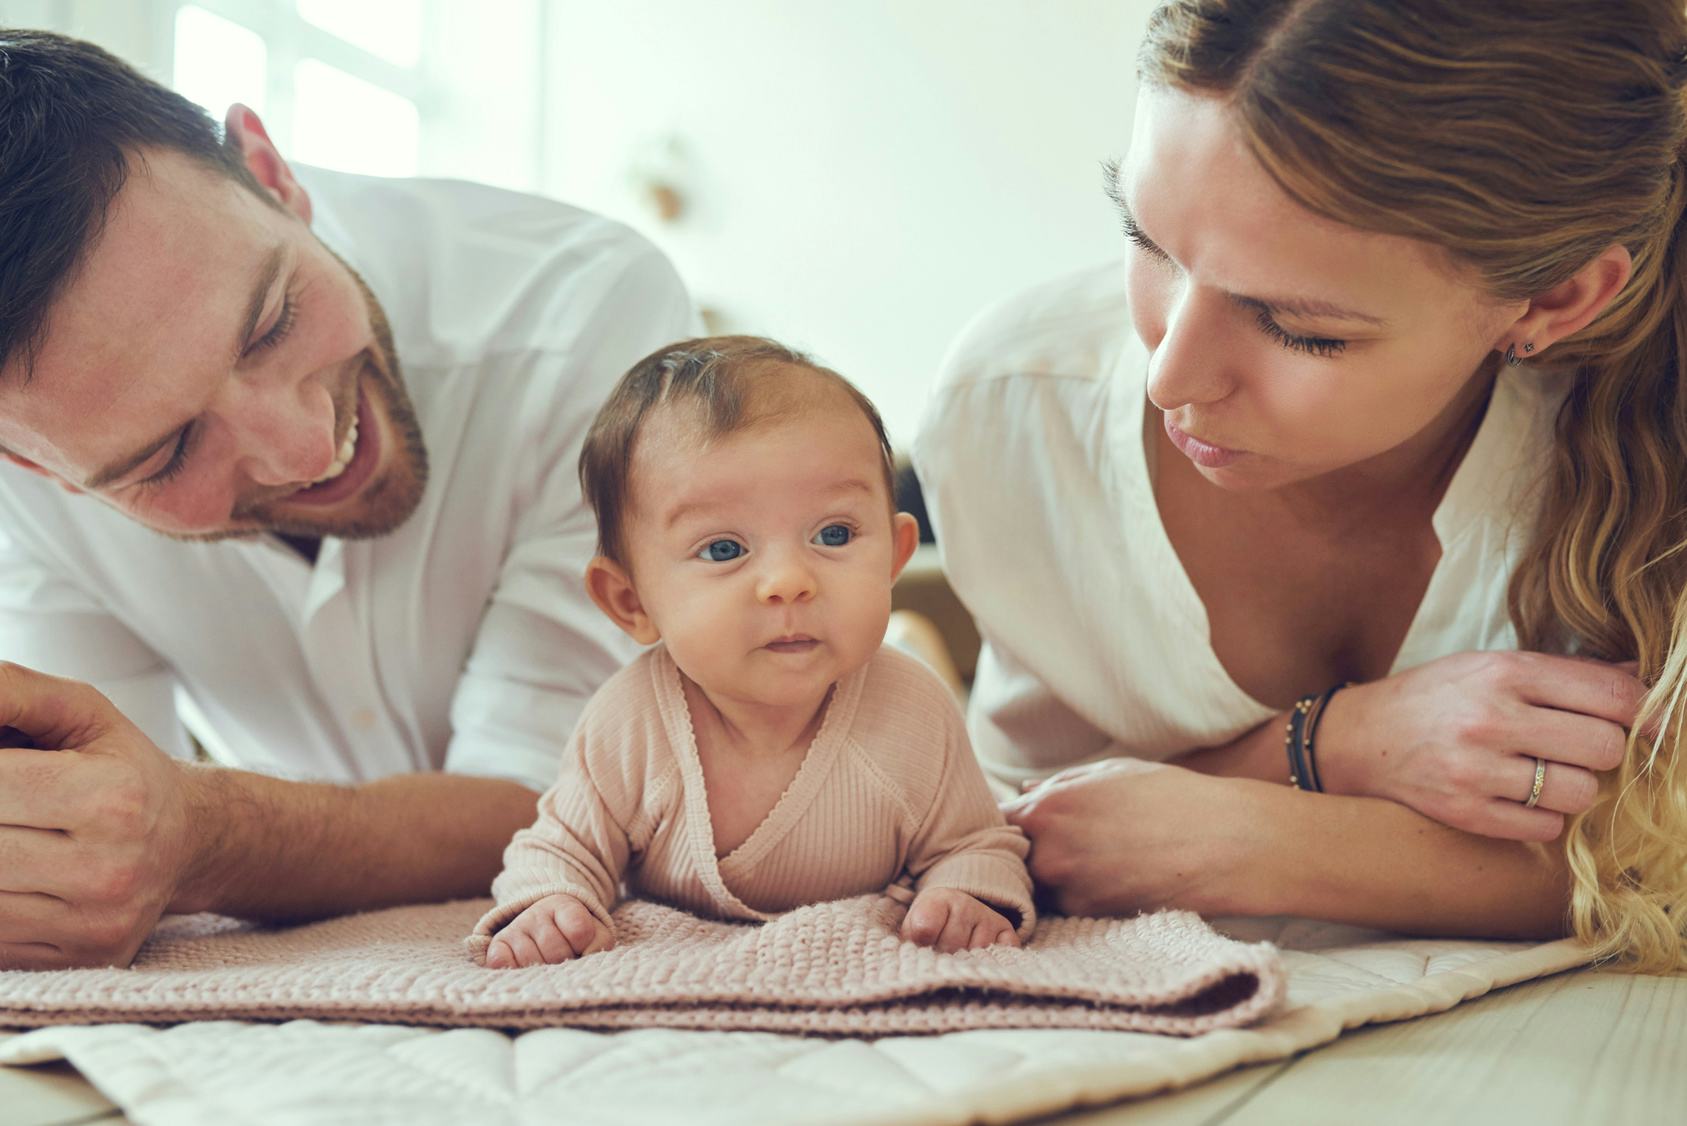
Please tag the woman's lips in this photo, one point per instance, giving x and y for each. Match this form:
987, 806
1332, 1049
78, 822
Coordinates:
1204, 454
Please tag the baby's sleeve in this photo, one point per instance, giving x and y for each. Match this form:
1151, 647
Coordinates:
966, 844
579, 846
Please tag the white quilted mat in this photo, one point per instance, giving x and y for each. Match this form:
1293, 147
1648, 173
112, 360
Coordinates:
311, 1072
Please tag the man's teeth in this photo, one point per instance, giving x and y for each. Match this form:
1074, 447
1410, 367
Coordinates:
343, 458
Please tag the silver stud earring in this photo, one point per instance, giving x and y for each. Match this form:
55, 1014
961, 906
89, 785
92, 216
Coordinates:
1528, 347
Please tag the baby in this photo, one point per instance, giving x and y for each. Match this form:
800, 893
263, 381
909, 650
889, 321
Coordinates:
768, 753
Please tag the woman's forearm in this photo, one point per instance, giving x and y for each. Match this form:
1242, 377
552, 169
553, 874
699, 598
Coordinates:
1374, 863
1255, 754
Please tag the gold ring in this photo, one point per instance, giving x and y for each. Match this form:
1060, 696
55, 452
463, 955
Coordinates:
1540, 780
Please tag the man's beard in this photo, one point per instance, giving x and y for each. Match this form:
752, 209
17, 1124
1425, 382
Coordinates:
386, 501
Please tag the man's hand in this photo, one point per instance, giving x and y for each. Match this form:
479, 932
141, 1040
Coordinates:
953, 920
557, 928
95, 826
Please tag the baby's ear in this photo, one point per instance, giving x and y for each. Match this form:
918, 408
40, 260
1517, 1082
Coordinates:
611, 587
905, 537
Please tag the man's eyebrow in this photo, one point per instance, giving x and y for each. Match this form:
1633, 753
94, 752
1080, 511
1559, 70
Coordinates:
1289, 306
268, 270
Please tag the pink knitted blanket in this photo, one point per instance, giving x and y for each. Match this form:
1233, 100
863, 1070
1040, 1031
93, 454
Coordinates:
832, 969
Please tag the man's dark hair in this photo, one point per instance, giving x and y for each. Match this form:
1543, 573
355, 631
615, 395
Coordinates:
72, 118
731, 381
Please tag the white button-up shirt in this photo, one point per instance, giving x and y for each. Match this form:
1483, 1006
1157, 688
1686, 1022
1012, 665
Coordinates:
462, 641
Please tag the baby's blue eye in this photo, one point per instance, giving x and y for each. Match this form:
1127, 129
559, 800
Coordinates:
834, 535
721, 551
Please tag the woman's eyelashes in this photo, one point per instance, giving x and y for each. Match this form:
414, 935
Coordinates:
1142, 241
1323, 346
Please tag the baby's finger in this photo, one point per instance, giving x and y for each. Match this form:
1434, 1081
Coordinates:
578, 925
957, 932
602, 939
1007, 936
983, 934
498, 955
523, 948
553, 945
925, 920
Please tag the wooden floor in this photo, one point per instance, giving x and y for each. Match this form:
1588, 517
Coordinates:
1579, 1048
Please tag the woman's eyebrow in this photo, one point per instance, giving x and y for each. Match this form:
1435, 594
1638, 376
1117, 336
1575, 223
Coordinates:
1289, 306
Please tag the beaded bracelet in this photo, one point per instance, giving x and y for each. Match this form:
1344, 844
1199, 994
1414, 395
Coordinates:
1302, 729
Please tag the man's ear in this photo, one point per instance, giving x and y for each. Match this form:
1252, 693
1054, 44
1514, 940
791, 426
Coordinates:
905, 537
25, 463
611, 587
264, 160
1569, 306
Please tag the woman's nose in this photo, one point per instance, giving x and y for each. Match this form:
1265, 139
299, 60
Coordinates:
1189, 363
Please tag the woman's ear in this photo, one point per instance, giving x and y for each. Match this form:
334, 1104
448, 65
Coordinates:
264, 161
611, 587
1569, 306
905, 537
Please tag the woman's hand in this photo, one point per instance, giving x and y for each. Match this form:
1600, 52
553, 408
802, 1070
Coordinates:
1121, 835
1457, 739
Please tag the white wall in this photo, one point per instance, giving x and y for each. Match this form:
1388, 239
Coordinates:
862, 176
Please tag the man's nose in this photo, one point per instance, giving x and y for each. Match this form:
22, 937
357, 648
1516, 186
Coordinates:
785, 577
1189, 364
285, 434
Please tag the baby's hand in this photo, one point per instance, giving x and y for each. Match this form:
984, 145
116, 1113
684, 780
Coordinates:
555, 929
953, 920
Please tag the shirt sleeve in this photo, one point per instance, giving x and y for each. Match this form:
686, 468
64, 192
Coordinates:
579, 845
543, 647
49, 624
966, 844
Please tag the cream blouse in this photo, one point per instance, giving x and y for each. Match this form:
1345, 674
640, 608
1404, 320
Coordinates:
1039, 483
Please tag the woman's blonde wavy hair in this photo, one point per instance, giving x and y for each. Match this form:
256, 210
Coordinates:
1523, 137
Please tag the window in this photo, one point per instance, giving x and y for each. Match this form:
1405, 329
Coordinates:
385, 87
337, 84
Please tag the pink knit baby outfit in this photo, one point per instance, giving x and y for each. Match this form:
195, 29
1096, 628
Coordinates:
889, 788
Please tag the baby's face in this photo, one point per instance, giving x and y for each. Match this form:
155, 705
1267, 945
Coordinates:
765, 557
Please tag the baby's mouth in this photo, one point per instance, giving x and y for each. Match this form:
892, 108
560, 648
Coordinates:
792, 643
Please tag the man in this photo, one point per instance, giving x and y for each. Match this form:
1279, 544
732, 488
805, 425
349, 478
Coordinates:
337, 519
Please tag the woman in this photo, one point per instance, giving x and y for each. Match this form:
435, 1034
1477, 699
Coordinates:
1365, 474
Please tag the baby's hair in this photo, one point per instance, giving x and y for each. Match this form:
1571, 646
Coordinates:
732, 382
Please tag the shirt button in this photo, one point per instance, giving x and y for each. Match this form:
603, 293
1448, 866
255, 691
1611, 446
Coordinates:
363, 719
